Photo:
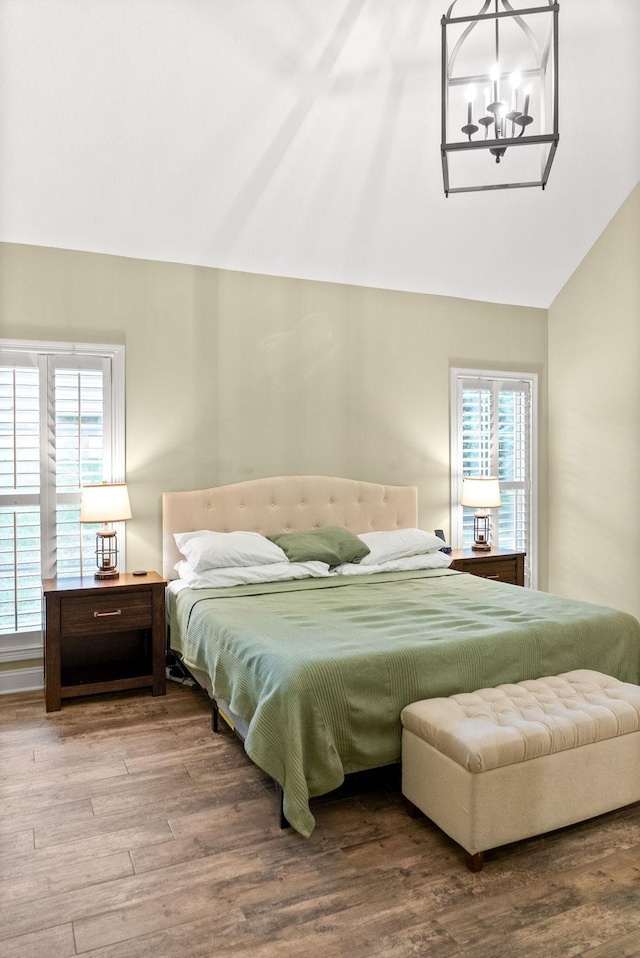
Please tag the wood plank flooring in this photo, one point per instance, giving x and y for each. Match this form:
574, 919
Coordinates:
128, 829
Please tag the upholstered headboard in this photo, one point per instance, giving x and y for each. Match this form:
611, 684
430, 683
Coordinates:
283, 504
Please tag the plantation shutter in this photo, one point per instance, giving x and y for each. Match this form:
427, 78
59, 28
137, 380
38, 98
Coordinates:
56, 434
20, 537
514, 456
79, 437
493, 436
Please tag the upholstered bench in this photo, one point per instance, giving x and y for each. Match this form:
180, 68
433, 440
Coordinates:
503, 764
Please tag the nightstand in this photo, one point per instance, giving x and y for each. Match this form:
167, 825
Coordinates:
503, 565
103, 635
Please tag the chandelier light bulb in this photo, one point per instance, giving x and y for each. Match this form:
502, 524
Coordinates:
516, 80
470, 94
494, 75
500, 121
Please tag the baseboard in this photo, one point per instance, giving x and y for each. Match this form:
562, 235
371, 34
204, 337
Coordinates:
21, 646
21, 680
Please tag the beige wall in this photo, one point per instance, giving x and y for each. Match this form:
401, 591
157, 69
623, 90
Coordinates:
234, 375
594, 421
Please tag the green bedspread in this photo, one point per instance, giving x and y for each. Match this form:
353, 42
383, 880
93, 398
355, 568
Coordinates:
321, 669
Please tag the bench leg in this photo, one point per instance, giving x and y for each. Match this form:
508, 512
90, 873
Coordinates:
412, 810
474, 862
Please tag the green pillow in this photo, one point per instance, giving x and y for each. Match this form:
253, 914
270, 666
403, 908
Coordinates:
331, 544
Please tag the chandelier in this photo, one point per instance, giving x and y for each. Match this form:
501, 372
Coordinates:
499, 96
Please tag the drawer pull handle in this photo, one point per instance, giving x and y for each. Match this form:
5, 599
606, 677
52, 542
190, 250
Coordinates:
492, 577
97, 615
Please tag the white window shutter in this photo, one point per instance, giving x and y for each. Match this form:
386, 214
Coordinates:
19, 497
57, 409
493, 434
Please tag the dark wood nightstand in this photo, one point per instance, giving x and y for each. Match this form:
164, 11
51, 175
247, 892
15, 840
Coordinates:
103, 635
503, 565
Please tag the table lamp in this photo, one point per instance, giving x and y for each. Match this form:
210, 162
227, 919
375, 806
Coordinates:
481, 493
106, 503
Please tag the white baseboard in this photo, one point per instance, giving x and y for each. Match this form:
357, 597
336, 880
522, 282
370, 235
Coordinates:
21, 680
21, 646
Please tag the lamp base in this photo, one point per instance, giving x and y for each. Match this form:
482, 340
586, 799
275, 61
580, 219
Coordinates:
481, 531
106, 554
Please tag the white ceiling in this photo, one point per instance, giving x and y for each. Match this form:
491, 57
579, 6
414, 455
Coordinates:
298, 138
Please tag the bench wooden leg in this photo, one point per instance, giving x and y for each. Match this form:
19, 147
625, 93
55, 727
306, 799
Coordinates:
412, 810
474, 862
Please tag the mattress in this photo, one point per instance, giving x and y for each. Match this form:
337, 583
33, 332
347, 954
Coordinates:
319, 670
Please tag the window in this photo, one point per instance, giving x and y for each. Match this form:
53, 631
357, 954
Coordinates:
61, 427
494, 434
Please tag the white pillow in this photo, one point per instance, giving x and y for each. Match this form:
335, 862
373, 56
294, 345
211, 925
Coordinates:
428, 560
222, 550
386, 546
247, 575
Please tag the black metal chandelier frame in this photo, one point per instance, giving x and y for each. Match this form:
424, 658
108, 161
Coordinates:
498, 145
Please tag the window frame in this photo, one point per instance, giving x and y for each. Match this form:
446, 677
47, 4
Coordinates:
21, 646
457, 377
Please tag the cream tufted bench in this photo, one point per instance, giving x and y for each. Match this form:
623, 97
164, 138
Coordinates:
503, 764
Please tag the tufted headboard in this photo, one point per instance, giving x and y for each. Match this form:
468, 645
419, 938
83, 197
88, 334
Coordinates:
283, 504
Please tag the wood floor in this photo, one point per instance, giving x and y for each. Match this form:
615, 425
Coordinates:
128, 829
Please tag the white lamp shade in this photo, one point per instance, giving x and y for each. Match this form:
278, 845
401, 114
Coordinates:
481, 492
106, 503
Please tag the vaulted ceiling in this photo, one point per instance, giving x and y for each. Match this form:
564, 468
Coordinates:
298, 138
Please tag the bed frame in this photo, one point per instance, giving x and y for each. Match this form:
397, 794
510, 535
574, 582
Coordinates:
281, 504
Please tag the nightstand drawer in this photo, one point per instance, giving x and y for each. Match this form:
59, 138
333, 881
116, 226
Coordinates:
501, 570
106, 613
500, 565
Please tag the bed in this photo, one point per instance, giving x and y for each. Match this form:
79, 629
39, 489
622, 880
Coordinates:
313, 673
